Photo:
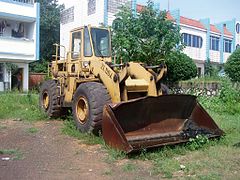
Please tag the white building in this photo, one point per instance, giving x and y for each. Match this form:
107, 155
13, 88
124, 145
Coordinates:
84, 12
203, 40
19, 41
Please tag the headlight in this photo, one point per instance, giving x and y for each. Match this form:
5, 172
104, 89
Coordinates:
85, 64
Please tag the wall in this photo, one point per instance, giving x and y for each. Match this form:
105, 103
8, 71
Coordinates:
237, 35
81, 18
195, 53
18, 11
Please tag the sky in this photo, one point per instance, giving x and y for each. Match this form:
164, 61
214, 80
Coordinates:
216, 10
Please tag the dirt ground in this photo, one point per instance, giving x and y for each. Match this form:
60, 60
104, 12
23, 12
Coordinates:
41, 151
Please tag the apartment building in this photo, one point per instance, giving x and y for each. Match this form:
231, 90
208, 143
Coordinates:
203, 40
19, 41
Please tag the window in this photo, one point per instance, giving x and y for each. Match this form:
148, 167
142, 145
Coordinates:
214, 43
227, 45
101, 43
113, 6
1, 72
87, 45
192, 40
91, 7
76, 45
67, 15
238, 28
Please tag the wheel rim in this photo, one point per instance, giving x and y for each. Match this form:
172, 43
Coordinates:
45, 100
82, 110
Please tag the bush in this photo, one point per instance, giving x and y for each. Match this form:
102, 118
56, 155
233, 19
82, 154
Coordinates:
180, 67
232, 66
39, 66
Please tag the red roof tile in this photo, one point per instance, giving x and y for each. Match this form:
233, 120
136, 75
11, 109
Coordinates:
214, 29
139, 8
191, 22
226, 32
169, 16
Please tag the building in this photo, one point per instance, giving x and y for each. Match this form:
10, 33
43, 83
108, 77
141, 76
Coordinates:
19, 41
204, 41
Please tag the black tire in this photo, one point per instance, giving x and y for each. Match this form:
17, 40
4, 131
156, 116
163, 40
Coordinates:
48, 99
165, 89
87, 107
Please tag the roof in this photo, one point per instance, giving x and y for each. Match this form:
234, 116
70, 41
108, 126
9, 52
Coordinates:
169, 16
191, 22
226, 32
139, 8
214, 29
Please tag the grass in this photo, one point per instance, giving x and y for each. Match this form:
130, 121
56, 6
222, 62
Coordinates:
20, 106
129, 167
202, 159
32, 130
17, 155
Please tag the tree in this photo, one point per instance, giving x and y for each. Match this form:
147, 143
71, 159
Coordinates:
180, 67
147, 37
232, 66
49, 27
49, 33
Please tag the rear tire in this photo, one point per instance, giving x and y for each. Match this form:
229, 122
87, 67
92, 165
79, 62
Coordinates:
87, 107
48, 99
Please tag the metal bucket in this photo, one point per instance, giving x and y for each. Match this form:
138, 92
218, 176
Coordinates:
156, 121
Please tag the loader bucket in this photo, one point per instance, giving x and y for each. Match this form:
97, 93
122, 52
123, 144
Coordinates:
156, 121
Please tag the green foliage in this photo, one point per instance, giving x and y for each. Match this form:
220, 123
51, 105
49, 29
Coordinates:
147, 37
20, 106
32, 130
180, 67
49, 27
232, 66
198, 142
71, 130
228, 102
208, 68
11, 67
39, 66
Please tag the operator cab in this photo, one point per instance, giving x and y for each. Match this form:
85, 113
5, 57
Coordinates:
90, 42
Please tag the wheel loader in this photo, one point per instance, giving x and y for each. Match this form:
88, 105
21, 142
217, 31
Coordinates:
126, 101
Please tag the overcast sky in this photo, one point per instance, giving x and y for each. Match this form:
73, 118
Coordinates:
216, 10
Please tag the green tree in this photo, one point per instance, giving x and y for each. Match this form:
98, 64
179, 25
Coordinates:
180, 67
49, 27
49, 33
232, 66
147, 37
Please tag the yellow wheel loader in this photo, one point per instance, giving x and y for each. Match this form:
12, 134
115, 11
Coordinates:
126, 101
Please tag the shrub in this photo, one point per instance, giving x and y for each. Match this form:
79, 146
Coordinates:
232, 66
180, 67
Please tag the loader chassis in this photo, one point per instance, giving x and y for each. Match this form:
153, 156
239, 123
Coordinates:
95, 88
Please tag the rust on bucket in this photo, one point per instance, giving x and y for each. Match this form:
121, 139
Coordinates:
156, 121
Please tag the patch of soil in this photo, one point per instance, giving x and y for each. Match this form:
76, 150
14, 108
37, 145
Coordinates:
48, 154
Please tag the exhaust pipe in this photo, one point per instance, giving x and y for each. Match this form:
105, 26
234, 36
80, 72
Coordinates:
156, 121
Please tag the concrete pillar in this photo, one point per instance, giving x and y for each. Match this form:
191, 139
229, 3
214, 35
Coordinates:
25, 77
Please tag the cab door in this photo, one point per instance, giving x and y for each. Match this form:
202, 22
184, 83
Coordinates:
76, 51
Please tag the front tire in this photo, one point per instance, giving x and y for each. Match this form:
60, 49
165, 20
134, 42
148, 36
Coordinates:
87, 106
48, 99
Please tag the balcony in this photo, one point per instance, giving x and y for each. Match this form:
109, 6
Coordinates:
21, 10
17, 49
24, 1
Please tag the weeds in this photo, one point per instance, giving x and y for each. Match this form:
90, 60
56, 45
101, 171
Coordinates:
129, 167
17, 155
20, 106
32, 130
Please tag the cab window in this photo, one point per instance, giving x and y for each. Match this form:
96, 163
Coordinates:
76, 45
